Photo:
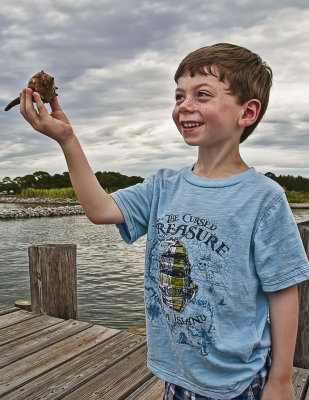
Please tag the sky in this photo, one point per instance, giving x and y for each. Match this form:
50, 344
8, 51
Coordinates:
114, 63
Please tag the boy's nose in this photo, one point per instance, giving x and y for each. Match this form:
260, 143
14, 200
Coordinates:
188, 105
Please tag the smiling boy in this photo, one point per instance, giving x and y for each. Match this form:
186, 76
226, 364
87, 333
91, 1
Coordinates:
222, 249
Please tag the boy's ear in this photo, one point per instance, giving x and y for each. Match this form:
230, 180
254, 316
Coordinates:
251, 110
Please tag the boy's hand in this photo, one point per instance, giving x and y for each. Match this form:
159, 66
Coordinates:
55, 125
278, 391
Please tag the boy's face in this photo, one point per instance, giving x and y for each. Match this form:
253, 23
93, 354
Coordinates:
205, 113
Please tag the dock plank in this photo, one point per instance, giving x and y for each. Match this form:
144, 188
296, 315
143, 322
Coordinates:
23, 370
16, 317
62, 380
49, 358
7, 309
153, 389
26, 328
25, 346
119, 381
300, 379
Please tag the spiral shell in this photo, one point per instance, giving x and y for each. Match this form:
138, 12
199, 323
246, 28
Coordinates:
43, 84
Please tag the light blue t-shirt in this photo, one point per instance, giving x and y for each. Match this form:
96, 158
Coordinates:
215, 247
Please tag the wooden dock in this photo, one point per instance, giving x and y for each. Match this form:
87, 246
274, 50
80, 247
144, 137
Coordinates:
43, 357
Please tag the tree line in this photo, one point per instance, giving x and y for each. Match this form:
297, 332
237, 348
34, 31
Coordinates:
291, 183
110, 181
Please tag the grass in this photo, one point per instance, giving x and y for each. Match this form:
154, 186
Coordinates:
68, 193
297, 197
64, 193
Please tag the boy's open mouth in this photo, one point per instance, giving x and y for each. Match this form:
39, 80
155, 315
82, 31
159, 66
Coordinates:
191, 124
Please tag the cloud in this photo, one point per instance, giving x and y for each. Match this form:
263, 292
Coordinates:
114, 65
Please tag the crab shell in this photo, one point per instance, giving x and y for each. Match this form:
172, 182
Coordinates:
43, 84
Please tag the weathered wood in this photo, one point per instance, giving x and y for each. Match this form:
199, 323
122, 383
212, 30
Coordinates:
23, 304
80, 370
39, 340
27, 368
152, 389
138, 330
117, 382
25, 328
300, 378
303, 228
301, 358
53, 280
14, 318
76, 360
7, 309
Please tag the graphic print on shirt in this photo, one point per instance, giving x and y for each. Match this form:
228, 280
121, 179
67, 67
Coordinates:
191, 272
175, 283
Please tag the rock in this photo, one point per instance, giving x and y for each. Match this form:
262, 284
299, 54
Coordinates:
41, 212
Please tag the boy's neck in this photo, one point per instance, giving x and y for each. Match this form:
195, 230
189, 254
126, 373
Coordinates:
219, 165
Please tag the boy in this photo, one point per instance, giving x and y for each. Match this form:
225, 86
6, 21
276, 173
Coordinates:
222, 245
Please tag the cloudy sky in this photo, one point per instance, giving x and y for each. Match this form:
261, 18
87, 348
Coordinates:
114, 62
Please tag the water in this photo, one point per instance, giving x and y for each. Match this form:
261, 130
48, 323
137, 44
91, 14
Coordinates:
110, 273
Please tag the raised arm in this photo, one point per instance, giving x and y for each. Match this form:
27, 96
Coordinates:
99, 207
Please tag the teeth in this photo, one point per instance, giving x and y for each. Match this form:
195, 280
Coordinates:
191, 124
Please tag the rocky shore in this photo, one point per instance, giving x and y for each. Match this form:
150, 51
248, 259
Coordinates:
63, 207
35, 200
41, 212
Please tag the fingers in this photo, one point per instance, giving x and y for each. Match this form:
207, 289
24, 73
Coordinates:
26, 103
28, 110
54, 125
23, 102
39, 103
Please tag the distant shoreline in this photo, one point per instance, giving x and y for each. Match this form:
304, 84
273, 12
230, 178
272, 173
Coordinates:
42, 208
36, 200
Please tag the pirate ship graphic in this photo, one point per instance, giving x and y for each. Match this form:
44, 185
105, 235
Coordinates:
175, 283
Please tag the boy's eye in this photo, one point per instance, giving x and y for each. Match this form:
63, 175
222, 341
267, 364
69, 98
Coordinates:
202, 93
179, 97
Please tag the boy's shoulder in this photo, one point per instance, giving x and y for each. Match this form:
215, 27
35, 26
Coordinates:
252, 176
270, 187
251, 182
267, 181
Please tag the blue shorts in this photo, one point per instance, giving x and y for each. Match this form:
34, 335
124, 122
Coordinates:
253, 392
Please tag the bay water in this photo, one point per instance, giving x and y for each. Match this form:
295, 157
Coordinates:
110, 272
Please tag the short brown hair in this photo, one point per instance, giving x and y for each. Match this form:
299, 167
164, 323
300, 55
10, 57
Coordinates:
248, 76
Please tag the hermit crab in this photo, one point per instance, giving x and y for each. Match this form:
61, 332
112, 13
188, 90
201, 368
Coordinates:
41, 83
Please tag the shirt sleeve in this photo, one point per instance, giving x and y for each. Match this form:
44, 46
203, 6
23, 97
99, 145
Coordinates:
279, 254
135, 205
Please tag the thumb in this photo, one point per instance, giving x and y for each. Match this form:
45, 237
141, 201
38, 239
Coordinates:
57, 111
54, 105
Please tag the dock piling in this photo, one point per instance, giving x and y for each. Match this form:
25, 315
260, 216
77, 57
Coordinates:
53, 280
301, 357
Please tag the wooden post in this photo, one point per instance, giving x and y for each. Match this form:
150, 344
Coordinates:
301, 357
53, 280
